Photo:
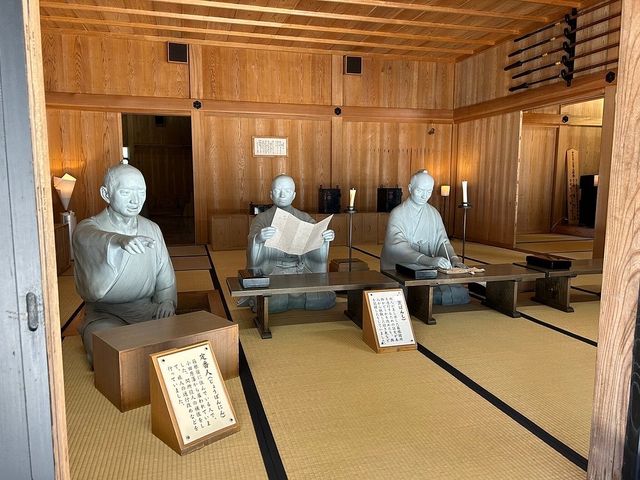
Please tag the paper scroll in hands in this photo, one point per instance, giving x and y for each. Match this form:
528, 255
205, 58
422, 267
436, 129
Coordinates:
273, 261
122, 266
416, 235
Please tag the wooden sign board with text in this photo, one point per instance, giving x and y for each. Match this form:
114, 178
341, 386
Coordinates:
190, 406
386, 323
573, 180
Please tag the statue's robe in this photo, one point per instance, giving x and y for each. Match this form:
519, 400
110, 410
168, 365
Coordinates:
415, 231
271, 261
119, 288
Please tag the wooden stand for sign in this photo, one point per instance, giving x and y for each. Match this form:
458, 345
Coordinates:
173, 419
373, 325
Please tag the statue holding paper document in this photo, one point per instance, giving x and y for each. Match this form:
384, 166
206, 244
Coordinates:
416, 235
122, 267
284, 240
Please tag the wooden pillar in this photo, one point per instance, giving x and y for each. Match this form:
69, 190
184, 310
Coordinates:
604, 170
621, 273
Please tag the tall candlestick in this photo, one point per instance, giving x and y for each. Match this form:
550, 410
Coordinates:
125, 152
352, 197
464, 192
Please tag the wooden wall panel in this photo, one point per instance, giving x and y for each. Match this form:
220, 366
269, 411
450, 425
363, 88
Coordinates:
111, 66
488, 159
386, 154
400, 84
266, 76
234, 178
85, 145
482, 77
535, 179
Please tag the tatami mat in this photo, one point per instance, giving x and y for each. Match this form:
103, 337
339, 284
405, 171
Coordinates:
187, 250
200, 262
583, 321
564, 246
545, 237
338, 410
69, 301
193, 280
543, 374
107, 444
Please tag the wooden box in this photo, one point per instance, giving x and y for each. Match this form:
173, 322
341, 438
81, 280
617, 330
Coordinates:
342, 265
207, 300
121, 354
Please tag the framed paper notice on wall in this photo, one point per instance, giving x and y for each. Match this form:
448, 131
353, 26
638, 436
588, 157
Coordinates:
190, 406
270, 146
386, 323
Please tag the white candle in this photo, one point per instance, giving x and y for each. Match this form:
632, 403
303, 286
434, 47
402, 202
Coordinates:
125, 152
596, 180
464, 191
352, 197
445, 190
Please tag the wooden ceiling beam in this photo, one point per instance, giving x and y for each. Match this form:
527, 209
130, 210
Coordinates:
231, 33
557, 3
260, 23
433, 8
253, 46
337, 16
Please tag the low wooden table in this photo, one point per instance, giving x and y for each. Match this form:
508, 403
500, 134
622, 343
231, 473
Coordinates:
354, 283
554, 289
501, 291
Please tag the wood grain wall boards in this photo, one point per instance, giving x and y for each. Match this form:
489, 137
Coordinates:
85, 145
400, 84
621, 273
266, 76
387, 154
481, 77
111, 66
535, 179
488, 159
234, 177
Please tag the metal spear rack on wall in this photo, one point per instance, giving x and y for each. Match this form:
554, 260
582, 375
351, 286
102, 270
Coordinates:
547, 47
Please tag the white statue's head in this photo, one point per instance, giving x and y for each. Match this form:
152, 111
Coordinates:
421, 187
283, 191
124, 189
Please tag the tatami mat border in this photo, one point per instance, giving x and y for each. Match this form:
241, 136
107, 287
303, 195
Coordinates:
562, 448
268, 447
72, 317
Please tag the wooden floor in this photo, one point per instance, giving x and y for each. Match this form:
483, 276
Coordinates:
485, 396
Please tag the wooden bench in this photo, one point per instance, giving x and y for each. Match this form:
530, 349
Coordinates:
554, 289
501, 292
354, 283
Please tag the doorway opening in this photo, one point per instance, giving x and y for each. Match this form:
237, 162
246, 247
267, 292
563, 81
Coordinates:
160, 147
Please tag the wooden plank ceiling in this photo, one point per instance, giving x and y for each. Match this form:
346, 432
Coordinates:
430, 30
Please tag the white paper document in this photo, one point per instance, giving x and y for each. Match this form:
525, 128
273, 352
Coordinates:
294, 236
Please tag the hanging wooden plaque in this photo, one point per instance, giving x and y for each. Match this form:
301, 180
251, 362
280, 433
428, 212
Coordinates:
386, 323
190, 406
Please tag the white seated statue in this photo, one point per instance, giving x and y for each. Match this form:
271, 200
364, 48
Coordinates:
416, 235
271, 261
122, 266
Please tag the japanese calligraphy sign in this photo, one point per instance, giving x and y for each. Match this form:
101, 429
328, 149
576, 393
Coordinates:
270, 146
386, 323
189, 400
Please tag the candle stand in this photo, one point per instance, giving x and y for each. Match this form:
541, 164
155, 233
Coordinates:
465, 206
350, 211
